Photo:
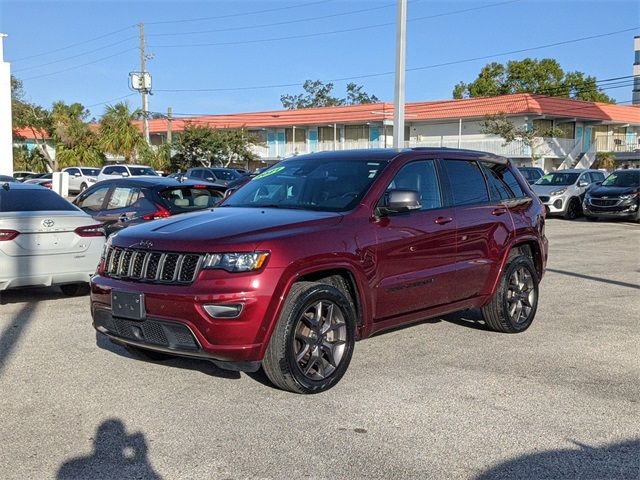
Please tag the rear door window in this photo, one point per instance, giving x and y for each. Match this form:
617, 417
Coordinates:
468, 186
184, 199
32, 200
122, 197
94, 200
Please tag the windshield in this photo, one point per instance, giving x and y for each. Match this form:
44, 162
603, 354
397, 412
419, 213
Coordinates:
90, 172
558, 178
139, 171
310, 184
225, 174
623, 179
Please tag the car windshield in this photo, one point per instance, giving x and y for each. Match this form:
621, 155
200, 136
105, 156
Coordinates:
188, 199
139, 171
32, 200
623, 179
90, 172
558, 178
309, 184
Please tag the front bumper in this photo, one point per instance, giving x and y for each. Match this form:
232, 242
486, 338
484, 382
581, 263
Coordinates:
176, 321
554, 205
615, 208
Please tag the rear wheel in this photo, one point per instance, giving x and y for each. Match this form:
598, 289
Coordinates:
311, 346
573, 209
514, 305
75, 289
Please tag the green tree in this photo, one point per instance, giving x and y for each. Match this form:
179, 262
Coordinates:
32, 117
76, 143
118, 135
542, 77
199, 145
605, 160
529, 135
320, 95
157, 157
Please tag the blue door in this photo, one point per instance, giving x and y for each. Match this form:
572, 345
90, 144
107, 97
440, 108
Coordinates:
271, 143
313, 140
586, 141
281, 141
374, 137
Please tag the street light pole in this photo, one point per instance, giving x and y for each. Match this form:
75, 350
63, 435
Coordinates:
144, 92
401, 50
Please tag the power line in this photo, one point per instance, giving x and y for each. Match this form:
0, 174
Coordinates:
425, 67
75, 56
81, 65
287, 22
111, 100
333, 32
73, 44
242, 14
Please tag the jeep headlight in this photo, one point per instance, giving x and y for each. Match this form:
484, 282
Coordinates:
236, 262
560, 191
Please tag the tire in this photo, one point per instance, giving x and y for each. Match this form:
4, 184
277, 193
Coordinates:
573, 209
83, 187
145, 354
75, 289
519, 279
312, 343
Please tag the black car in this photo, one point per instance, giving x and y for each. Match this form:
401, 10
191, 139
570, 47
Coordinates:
617, 197
531, 174
216, 176
121, 202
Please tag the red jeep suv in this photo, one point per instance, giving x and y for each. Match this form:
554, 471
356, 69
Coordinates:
321, 250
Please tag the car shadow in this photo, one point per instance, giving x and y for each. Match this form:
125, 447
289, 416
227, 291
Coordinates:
203, 366
617, 460
30, 294
13, 331
116, 454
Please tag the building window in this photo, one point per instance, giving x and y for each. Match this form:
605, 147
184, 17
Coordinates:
300, 135
542, 125
566, 130
325, 134
356, 132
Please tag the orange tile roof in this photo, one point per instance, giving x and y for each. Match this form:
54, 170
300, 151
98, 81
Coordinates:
26, 133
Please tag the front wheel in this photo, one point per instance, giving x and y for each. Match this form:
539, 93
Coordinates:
513, 306
312, 344
573, 209
83, 187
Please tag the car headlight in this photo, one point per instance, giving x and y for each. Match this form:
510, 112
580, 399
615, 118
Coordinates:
558, 192
235, 262
628, 197
91, 180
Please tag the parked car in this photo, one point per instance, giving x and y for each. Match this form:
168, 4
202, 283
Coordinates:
531, 174
45, 240
617, 197
562, 192
22, 175
216, 176
44, 180
81, 178
7, 178
322, 250
120, 203
120, 171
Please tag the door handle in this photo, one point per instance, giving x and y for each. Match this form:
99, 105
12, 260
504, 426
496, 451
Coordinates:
443, 220
499, 211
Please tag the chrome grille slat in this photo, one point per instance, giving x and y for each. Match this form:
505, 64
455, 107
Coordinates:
152, 266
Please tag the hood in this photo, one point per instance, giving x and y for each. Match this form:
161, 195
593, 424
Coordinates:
547, 189
601, 191
216, 229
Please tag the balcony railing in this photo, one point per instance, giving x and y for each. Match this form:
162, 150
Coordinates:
617, 143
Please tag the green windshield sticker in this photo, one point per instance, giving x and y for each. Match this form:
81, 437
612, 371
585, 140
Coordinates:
269, 172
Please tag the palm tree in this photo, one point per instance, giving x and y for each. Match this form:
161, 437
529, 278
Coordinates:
118, 135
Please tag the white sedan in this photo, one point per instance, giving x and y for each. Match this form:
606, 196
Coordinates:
45, 240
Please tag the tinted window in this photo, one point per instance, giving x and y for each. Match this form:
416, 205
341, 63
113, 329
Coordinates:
509, 178
139, 171
498, 188
71, 171
422, 177
467, 183
32, 200
108, 170
558, 179
624, 178
184, 199
597, 176
90, 172
309, 184
225, 174
92, 201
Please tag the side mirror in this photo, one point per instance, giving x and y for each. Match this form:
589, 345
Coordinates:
583, 183
77, 175
210, 179
598, 183
125, 174
398, 201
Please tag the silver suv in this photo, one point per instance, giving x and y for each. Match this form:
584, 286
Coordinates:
120, 171
81, 178
562, 191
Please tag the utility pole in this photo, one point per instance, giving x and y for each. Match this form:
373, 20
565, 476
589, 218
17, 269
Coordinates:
169, 125
401, 50
144, 91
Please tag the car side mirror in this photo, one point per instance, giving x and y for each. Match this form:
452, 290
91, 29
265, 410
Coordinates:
583, 183
125, 174
598, 183
399, 201
77, 175
210, 179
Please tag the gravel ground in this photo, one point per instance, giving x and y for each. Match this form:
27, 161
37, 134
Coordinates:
441, 399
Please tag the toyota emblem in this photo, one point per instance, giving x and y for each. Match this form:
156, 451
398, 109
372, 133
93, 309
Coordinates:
48, 223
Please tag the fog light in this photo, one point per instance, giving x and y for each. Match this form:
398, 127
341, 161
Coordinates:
558, 204
227, 310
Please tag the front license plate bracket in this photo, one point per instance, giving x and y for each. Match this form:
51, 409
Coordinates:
128, 305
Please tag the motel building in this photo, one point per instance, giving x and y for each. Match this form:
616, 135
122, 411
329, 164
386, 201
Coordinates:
586, 129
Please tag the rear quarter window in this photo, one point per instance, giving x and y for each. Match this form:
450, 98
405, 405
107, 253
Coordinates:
33, 200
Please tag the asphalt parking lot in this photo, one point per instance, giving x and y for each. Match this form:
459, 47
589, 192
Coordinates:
441, 399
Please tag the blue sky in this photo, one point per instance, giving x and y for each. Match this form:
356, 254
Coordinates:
248, 54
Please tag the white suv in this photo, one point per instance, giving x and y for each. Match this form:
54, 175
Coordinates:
119, 171
81, 178
562, 191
